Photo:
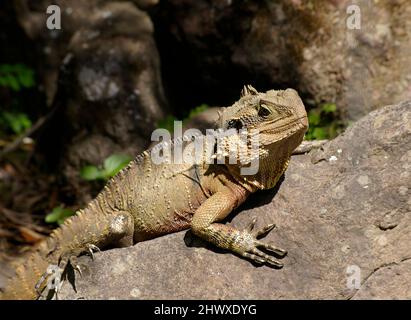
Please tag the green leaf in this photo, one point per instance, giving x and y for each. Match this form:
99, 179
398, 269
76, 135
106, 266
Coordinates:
319, 133
3, 81
329, 107
18, 122
114, 164
12, 82
58, 215
314, 117
167, 123
197, 110
24, 121
26, 78
6, 68
16, 76
308, 135
90, 173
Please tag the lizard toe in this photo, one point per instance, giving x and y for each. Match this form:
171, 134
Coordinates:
91, 248
251, 225
267, 259
269, 247
264, 231
51, 280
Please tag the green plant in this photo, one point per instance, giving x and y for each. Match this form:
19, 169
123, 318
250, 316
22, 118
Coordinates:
16, 76
58, 215
18, 122
111, 166
323, 122
197, 110
168, 122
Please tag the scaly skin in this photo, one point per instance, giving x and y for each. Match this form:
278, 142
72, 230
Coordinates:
146, 200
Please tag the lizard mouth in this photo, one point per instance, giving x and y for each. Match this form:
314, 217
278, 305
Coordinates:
235, 124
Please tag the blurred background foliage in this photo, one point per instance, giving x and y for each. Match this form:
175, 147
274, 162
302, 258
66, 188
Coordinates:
16, 78
324, 122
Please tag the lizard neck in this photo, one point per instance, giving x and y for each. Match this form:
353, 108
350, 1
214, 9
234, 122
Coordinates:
270, 169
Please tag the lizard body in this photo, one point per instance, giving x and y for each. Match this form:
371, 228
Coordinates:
147, 200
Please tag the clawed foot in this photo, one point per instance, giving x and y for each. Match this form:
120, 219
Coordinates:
248, 245
55, 275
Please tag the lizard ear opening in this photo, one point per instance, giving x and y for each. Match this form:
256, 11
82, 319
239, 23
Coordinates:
248, 90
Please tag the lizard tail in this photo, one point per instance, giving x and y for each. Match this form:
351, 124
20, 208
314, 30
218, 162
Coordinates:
91, 227
22, 286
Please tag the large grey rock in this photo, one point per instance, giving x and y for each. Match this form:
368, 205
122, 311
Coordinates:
308, 45
342, 209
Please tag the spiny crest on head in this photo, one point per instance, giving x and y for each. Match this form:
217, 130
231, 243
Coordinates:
226, 112
248, 90
220, 114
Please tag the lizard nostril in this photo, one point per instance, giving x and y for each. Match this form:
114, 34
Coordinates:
235, 124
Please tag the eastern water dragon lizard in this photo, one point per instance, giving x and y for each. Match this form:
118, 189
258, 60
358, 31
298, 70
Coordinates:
147, 200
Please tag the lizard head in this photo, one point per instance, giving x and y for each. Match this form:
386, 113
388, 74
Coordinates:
279, 121
278, 115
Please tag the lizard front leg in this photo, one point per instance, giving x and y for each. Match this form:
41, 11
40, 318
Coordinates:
245, 243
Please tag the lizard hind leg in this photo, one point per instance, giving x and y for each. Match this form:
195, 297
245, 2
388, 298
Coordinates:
86, 232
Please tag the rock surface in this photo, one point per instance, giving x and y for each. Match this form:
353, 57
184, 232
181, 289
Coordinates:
312, 46
343, 213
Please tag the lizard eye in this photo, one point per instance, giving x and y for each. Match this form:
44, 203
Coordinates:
264, 111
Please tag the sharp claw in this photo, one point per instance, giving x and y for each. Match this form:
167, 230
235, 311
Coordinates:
251, 225
91, 249
77, 267
91, 253
264, 231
